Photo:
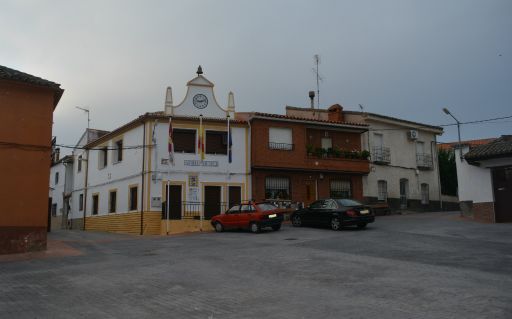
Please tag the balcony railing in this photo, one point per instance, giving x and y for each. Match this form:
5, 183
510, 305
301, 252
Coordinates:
381, 155
424, 161
280, 146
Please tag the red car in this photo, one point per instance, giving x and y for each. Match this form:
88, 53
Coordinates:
252, 216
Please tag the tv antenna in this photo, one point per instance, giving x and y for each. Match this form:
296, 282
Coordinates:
319, 78
86, 111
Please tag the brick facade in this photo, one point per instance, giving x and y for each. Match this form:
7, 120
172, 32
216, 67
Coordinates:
483, 212
310, 176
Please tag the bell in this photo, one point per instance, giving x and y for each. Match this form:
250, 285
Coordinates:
199, 70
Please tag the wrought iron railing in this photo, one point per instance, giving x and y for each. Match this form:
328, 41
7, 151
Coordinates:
424, 160
194, 210
381, 154
280, 146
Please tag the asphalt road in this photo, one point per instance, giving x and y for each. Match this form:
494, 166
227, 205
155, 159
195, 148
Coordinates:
430, 265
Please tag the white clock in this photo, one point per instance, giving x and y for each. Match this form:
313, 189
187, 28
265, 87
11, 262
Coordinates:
200, 101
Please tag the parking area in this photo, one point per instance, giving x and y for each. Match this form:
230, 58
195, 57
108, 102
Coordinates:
430, 265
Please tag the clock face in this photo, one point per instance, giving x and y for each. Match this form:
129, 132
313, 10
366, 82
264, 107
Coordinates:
200, 101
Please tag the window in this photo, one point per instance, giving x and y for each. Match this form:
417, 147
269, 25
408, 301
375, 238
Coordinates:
340, 189
280, 138
79, 164
264, 207
54, 210
56, 178
95, 204
234, 210
326, 143
184, 140
118, 157
246, 209
81, 202
112, 202
216, 142
133, 198
319, 204
382, 190
277, 187
103, 158
424, 194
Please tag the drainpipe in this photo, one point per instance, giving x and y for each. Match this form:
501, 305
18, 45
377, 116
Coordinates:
86, 178
142, 174
434, 150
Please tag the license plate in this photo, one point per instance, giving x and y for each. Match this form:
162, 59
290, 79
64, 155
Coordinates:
364, 212
272, 216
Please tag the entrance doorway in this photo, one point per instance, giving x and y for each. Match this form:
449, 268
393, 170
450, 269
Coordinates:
502, 187
404, 192
175, 203
212, 201
235, 196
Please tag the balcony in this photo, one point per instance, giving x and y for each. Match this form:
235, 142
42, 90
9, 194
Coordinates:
338, 160
280, 146
424, 161
381, 155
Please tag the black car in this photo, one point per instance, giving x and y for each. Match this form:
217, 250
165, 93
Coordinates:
334, 213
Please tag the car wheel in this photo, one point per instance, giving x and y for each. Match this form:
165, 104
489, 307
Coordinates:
218, 227
296, 221
362, 225
335, 223
276, 227
254, 228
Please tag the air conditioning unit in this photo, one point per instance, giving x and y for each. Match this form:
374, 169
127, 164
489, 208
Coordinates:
412, 134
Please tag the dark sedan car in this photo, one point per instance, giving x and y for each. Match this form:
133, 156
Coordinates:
334, 213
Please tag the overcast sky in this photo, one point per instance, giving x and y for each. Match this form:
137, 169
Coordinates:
407, 58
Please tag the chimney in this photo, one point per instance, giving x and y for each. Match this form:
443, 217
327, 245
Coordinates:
336, 113
312, 97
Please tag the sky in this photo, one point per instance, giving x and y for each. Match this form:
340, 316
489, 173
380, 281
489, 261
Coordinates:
401, 58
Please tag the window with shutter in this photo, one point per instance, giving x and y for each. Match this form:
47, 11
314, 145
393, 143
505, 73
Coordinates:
341, 189
277, 187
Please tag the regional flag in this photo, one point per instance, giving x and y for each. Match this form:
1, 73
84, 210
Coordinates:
170, 144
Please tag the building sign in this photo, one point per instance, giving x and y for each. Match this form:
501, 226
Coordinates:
201, 163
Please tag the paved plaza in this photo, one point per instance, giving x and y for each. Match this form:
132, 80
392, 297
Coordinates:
430, 265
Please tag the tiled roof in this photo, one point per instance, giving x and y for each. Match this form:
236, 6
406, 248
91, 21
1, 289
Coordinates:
470, 143
295, 118
501, 147
396, 119
18, 76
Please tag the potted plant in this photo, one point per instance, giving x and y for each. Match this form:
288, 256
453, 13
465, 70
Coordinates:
310, 149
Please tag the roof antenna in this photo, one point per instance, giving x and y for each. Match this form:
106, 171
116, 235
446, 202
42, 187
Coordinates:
319, 78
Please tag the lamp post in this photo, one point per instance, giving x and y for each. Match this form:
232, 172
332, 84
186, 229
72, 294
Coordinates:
445, 110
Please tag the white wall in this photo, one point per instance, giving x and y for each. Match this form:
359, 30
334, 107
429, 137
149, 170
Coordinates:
475, 183
57, 190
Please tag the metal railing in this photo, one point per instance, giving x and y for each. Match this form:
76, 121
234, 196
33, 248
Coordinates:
194, 210
424, 160
381, 154
280, 146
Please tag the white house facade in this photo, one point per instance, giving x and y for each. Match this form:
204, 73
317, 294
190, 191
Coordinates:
136, 184
404, 170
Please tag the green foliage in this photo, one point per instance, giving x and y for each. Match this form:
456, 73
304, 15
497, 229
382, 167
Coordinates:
310, 148
448, 172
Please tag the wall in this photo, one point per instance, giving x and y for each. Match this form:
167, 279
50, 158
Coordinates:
262, 156
26, 113
467, 175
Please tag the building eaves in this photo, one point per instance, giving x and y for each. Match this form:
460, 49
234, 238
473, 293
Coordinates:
308, 120
501, 147
390, 118
9, 74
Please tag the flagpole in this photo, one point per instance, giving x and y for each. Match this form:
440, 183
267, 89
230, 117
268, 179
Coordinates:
200, 149
170, 149
229, 160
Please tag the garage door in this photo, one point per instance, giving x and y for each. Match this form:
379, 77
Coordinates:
502, 184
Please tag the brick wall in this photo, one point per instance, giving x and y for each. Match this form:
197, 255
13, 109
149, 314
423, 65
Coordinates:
483, 212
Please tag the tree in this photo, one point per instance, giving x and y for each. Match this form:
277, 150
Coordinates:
448, 172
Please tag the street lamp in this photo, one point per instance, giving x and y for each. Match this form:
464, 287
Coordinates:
445, 110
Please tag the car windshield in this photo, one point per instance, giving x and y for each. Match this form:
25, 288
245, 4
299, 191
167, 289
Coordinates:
266, 207
348, 202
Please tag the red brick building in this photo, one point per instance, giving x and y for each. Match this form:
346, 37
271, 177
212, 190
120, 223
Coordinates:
296, 159
26, 109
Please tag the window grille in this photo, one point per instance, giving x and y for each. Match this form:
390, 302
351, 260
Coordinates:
277, 187
341, 189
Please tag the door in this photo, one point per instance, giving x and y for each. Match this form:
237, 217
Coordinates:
314, 212
404, 191
235, 195
211, 201
230, 217
502, 186
175, 203
245, 216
